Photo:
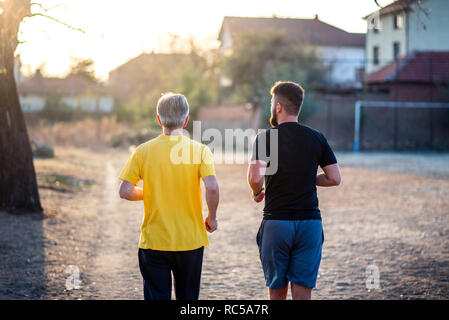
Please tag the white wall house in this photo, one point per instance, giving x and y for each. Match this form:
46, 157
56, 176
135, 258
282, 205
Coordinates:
347, 64
32, 103
405, 26
73, 92
344, 52
89, 104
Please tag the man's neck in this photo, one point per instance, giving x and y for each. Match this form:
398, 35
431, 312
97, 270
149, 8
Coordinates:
172, 132
288, 119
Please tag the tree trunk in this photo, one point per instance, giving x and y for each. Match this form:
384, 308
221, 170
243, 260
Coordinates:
18, 184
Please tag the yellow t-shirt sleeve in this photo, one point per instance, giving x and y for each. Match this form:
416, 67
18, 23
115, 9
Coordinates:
207, 163
131, 172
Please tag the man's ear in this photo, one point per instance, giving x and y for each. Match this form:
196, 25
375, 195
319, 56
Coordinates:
279, 107
159, 120
187, 120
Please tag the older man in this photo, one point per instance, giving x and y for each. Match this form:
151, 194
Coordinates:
290, 236
173, 233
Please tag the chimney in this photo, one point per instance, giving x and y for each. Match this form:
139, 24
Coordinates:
316, 17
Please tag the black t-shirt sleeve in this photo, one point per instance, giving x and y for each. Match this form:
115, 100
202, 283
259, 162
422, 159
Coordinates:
327, 155
261, 142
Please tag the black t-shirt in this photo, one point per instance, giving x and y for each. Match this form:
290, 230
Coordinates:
290, 190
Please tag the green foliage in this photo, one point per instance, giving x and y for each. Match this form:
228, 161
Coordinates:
192, 74
196, 82
259, 59
84, 68
56, 110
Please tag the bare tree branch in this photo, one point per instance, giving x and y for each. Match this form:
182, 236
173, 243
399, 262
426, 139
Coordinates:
46, 9
58, 21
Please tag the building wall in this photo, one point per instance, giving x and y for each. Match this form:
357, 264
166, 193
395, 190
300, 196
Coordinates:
434, 37
345, 62
89, 104
32, 103
384, 39
424, 29
418, 92
226, 40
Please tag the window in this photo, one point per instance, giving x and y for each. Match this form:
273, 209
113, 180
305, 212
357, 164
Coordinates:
396, 50
398, 21
375, 23
375, 55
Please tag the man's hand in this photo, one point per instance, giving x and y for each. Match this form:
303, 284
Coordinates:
259, 196
211, 224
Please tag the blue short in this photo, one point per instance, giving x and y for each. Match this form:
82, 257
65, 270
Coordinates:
290, 251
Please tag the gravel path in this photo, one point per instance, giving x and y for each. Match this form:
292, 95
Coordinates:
391, 212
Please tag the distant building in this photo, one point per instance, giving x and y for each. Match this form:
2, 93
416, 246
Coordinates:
236, 117
342, 51
420, 76
227, 117
74, 92
403, 27
407, 51
138, 76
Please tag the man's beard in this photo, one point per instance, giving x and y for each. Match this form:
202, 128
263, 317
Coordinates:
273, 120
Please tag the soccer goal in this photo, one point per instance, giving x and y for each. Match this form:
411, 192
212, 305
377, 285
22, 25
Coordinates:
388, 104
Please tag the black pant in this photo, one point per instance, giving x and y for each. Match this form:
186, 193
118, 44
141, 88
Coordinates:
156, 267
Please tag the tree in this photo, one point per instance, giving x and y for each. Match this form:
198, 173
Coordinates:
18, 183
84, 68
258, 59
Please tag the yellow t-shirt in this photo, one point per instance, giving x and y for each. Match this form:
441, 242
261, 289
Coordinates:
171, 168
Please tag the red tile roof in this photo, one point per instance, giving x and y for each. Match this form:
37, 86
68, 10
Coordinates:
418, 66
305, 31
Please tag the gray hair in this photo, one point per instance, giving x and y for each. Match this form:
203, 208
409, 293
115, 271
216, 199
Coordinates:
172, 109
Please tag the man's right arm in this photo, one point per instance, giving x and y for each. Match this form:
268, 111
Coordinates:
212, 199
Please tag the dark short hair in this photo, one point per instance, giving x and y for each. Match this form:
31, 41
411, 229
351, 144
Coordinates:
290, 95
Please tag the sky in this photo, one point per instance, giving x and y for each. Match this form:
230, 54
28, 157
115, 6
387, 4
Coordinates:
117, 30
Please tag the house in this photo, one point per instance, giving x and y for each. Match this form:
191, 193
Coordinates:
403, 27
225, 125
407, 52
73, 92
420, 76
224, 117
139, 75
342, 51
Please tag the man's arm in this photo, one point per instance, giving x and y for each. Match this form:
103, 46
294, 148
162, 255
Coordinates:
256, 173
130, 192
212, 199
330, 177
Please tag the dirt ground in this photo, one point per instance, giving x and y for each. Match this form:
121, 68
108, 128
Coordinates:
390, 211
